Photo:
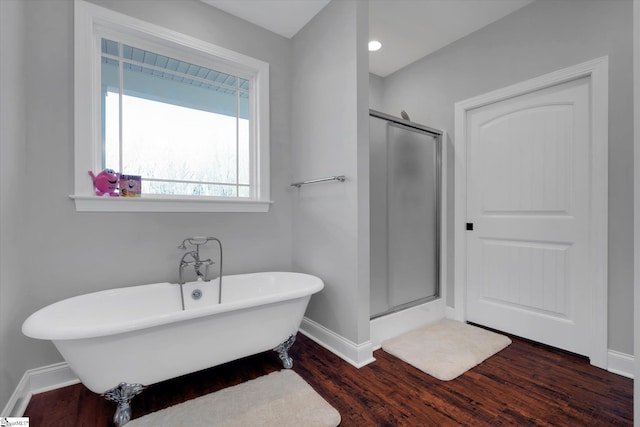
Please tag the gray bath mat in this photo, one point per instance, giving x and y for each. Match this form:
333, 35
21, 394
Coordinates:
446, 349
279, 399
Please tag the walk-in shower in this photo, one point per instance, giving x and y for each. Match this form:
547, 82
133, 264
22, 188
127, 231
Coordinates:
405, 174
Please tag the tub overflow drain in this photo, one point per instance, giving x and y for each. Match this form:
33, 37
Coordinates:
196, 294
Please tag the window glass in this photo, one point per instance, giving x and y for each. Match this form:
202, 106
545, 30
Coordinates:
184, 128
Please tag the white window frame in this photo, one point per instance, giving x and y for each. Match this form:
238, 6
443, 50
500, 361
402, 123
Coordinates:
93, 23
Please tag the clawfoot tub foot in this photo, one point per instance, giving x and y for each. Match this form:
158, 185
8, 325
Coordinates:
283, 350
122, 395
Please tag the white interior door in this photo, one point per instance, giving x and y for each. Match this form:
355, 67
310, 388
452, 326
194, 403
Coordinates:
528, 198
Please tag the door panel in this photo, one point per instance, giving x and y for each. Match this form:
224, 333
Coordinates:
537, 178
405, 204
412, 215
528, 197
527, 275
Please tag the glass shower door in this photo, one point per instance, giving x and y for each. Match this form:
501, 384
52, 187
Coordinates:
404, 216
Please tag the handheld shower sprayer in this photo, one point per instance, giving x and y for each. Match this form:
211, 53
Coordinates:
195, 241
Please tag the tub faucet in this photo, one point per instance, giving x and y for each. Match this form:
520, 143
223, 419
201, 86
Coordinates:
198, 263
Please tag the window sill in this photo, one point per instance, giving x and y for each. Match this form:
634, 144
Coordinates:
150, 203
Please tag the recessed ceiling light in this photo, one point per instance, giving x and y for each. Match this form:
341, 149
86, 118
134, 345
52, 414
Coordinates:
374, 45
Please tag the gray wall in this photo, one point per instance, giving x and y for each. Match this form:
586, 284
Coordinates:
544, 36
330, 137
376, 88
68, 253
636, 155
13, 181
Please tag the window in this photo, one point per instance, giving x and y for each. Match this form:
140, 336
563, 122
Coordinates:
191, 118
182, 127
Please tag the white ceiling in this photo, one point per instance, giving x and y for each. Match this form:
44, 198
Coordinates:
408, 29
284, 17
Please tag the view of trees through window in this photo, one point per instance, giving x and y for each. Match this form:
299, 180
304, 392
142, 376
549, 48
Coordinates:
182, 127
177, 150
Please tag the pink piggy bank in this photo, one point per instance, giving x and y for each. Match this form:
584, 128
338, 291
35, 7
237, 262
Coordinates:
106, 183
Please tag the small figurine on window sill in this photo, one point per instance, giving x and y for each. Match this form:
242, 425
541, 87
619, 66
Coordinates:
130, 185
106, 183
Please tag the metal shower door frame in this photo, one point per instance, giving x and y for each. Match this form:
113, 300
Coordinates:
438, 135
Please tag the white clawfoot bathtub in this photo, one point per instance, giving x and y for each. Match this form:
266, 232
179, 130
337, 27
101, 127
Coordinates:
140, 335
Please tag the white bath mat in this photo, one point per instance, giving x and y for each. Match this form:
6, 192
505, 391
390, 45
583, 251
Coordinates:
446, 349
279, 399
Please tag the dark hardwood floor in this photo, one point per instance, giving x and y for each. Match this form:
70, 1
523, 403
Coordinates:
527, 384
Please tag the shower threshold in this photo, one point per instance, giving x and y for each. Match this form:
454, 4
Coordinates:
405, 306
393, 324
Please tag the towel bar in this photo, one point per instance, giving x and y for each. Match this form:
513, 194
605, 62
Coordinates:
340, 178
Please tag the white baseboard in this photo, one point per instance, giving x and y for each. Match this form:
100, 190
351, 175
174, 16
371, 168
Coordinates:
620, 363
357, 355
36, 381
